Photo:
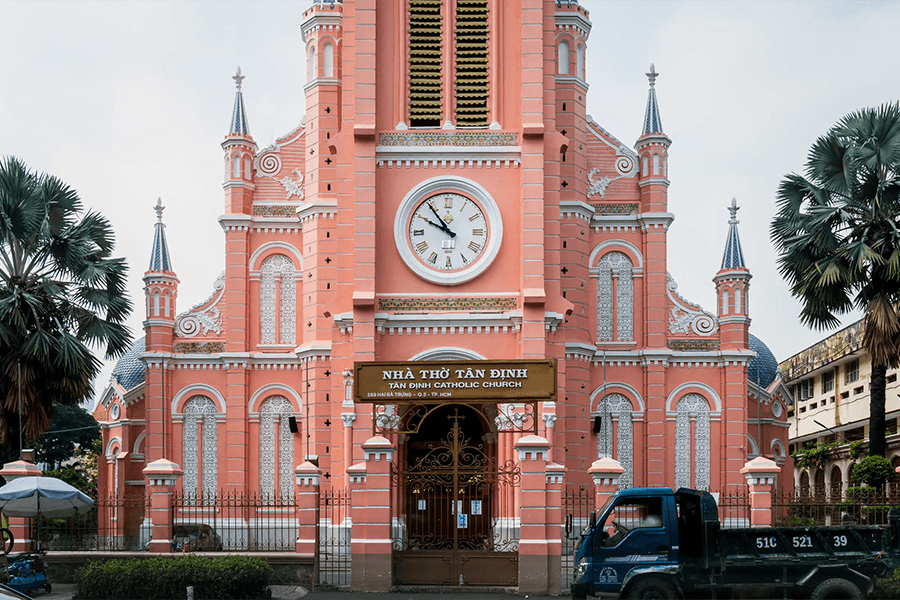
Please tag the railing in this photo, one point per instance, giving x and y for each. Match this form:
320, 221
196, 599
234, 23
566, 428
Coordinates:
578, 502
234, 522
113, 524
333, 552
835, 505
734, 508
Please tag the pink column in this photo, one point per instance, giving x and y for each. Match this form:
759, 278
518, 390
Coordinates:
161, 476
307, 478
20, 526
554, 531
605, 472
370, 484
760, 473
534, 548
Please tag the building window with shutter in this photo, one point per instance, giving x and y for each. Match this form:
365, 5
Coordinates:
468, 62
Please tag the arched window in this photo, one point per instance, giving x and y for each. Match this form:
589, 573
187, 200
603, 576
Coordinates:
200, 466
276, 448
615, 298
328, 60
579, 61
236, 163
692, 442
564, 57
615, 424
156, 303
724, 302
277, 302
311, 65
656, 164
247, 167
737, 301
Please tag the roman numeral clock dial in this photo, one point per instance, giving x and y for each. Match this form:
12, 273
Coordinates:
448, 237
448, 231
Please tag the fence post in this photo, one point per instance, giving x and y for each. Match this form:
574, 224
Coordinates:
307, 477
534, 551
554, 530
760, 473
20, 526
161, 476
605, 472
370, 482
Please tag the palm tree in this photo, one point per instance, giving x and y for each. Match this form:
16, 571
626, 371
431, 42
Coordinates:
837, 232
60, 294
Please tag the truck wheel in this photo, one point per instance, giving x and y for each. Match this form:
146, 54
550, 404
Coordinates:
651, 588
837, 589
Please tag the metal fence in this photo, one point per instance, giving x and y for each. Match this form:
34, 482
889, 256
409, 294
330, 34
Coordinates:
333, 551
837, 504
578, 503
734, 508
113, 524
234, 522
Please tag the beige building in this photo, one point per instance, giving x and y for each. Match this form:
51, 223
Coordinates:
830, 385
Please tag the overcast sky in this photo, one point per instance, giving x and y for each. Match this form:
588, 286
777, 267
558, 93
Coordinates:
128, 101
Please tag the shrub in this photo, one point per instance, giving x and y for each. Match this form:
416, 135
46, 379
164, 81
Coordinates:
162, 577
873, 470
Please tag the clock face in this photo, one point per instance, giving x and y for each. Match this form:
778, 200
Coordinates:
448, 232
114, 412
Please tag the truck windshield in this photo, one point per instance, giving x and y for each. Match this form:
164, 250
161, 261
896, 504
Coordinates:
642, 513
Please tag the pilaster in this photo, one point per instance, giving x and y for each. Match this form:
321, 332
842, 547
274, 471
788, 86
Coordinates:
370, 484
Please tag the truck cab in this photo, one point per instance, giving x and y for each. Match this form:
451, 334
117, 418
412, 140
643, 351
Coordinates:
635, 534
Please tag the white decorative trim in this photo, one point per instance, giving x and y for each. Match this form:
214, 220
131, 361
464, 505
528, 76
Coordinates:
136, 448
259, 252
199, 389
446, 353
433, 186
687, 317
602, 249
465, 323
274, 389
677, 393
631, 394
109, 447
190, 323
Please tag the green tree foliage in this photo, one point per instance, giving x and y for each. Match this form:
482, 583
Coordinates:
873, 470
837, 232
61, 294
72, 427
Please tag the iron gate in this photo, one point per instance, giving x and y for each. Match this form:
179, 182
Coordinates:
456, 516
578, 503
333, 550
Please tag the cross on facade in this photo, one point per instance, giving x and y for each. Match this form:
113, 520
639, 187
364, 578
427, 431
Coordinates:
239, 79
565, 184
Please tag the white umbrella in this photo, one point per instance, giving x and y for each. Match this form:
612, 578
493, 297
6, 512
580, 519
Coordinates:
47, 496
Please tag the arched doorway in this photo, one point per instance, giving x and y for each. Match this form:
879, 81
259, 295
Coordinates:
453, 498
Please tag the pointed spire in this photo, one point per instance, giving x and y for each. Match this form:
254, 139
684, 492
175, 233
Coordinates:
239, 124
734, 256
652, 121
159, 255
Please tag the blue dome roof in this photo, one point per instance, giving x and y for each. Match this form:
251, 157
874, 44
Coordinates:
129, 371
763, 368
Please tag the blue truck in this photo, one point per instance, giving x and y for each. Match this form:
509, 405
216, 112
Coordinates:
656, 543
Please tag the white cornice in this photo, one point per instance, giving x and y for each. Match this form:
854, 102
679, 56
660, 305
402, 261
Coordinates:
443, 323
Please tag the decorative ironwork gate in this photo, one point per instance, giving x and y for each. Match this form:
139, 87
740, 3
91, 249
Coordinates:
456, 521
333, 551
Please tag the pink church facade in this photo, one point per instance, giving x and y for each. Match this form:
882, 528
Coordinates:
446, 198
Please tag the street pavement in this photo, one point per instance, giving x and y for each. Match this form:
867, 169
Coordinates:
65, 591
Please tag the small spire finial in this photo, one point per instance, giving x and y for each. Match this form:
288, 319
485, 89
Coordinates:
159, 208
733, 210
652, 75
238, 78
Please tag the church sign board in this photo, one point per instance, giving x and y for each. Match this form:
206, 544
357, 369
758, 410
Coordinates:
455, 380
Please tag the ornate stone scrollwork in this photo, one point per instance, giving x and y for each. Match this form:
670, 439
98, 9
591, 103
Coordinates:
197, 321
687, 317
291, 187
626, 166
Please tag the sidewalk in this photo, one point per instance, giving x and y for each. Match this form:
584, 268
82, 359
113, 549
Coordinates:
65, 591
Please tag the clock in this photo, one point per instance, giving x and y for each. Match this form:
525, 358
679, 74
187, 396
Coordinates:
114, 411
776, 409
448, 230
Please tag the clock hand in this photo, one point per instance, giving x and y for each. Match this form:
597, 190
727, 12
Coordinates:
441, 221
438, 225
